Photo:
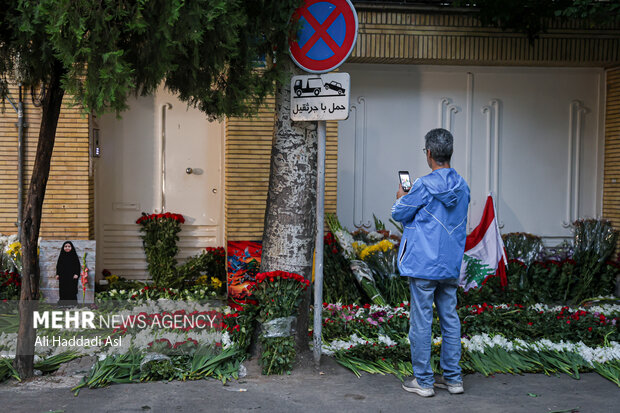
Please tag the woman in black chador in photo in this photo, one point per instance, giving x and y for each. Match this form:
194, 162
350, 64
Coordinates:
67, 272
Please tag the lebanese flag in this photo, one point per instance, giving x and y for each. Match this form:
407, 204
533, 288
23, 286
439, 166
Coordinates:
484, 252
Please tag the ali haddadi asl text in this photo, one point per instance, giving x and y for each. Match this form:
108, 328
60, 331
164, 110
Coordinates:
80, 341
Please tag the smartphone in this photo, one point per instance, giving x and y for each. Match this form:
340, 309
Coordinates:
405, 180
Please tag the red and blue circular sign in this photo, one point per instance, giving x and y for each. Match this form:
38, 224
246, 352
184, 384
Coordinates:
327, 34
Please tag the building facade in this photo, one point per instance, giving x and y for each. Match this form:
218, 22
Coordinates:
535, 124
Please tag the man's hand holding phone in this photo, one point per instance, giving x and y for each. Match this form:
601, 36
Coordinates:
405, 183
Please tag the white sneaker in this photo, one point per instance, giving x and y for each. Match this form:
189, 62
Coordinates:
412, 386
452, 387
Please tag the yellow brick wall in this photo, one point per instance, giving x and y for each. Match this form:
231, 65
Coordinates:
248, 155
414, 37
611, 185
68, 209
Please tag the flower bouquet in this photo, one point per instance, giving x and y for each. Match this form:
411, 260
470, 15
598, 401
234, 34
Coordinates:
351, 250
381, 259
159, 239
279, 294
14, 252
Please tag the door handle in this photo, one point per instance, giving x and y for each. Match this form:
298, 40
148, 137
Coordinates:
189, 171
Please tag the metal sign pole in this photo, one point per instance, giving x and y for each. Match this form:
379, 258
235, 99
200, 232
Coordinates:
320, 223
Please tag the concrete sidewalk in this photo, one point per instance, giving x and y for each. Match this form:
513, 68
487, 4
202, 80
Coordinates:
330, 389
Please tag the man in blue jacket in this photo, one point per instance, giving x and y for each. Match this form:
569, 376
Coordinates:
434, 217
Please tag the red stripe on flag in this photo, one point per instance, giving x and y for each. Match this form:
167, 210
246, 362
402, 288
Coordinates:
501, 272
478, 233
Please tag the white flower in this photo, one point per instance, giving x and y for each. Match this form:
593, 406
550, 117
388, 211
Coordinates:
226, 341
386, 340
345, 240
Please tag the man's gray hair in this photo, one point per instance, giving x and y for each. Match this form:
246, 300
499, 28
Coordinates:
439, 143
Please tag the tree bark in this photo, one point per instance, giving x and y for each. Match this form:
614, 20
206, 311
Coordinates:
29, 296
288, 237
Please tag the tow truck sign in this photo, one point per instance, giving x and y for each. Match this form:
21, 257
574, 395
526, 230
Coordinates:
320, 97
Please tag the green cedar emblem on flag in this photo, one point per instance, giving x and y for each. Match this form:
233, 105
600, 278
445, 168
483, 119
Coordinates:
476, 270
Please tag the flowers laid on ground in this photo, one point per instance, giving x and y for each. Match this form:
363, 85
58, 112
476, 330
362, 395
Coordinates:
169, 340
565, 273
543, 281
508, 338
506, 330
201, 277
151, 292
188, 340
206, 268
278, 294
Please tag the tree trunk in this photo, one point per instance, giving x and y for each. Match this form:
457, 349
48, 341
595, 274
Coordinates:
288, 237
24, 357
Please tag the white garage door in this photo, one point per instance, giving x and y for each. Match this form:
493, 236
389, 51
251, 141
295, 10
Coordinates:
532, 136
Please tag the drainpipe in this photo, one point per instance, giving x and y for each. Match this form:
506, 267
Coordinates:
20, 159
20, 164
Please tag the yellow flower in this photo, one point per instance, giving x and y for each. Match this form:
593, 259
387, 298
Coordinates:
383, 246
112, 278
358, 247
215, 282
15, 249
203, 279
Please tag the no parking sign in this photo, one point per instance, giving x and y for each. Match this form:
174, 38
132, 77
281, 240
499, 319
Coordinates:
327, 35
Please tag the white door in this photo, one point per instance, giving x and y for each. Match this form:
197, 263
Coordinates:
160, 157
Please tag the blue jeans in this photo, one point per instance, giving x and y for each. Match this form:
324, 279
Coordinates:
443, 293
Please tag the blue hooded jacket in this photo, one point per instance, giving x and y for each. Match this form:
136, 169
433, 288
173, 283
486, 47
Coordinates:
434, 216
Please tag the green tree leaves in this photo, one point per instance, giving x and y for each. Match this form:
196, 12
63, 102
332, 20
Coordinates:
206, 51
